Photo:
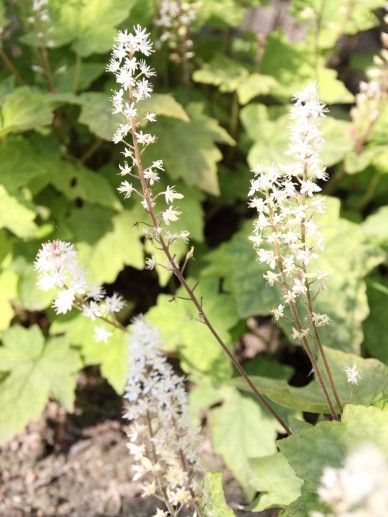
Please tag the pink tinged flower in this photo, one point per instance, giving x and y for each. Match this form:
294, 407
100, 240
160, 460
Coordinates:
101, 334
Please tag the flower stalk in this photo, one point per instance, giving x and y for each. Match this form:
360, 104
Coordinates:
132, 75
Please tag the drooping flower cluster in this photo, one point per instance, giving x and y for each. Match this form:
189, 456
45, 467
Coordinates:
162, 440
132, 76
286, 237
58, 267
359, 488
176, 18
372, 96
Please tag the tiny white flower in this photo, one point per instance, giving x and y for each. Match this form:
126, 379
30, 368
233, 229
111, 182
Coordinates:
170, 194
150, 263
278, 312
352, 374
101, 334
170, 215
126, 189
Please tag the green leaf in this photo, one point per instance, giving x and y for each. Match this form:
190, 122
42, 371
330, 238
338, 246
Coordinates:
90, 27
214, 500
25, 108
16, 216
87, 73
112, 357
221, 13
106, 241
304, 506
276, 481
372, 387
35, 371
223, 72
181, 330
376, 339
254, 85
375, 226
96, 111
328, 443
236, 262
193, 157
29, 296
331, 89
338, 19
234, 428
8, 293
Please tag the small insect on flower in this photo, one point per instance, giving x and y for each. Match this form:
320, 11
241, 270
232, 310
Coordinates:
352, 374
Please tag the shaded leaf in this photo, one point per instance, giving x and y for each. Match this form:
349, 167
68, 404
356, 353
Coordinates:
276, 481
106, 241
373, 384
250, 434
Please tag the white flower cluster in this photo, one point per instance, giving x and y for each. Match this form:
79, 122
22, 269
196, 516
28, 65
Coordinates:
286, 237
372, 96
41, 19
58, 267
132, 76
359, 488
162, 439
175, 19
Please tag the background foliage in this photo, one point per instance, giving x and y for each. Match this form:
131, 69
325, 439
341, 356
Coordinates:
58, 179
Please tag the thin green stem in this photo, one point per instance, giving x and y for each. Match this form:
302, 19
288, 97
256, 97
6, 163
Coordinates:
77, 73
11, 67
